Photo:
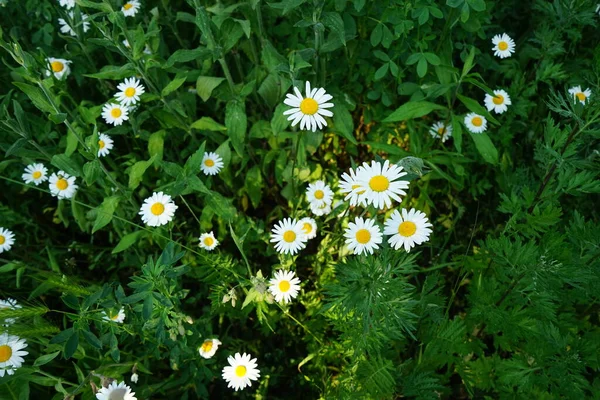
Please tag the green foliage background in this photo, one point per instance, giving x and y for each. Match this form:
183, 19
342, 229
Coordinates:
503, 301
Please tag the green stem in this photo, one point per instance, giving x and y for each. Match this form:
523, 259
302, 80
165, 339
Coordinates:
261, 29
227, 73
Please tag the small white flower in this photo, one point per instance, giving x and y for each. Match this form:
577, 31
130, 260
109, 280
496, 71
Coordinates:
146, 48
115, 113
504, 46
130, 8
9, 303
309, 226
59, 67
241, 370
118, 317
208, 241
158, 209
363, 236
581, 95
350, 185
62, 185
407, 229
7, 239
35, 173
11, 353
129, 91
116, 391
66, 28
440, 131
319, 193
320, 209
499, 102
209, 348
309, 110
284, 286
105, 145
379, 184
68, 4
475, 123
288, 236
135, 377
211, 163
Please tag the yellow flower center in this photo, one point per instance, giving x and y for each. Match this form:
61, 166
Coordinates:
101, 144
240, 371
209, 163
498, 99
307, 228
208, 241
157, 208
581, 96
207, 346
62, 184
36, 175
2, 240
115, 112
379, 183
127, 6
356, 186
503, 46
284, 286
363, 236
289, 236
477, 121
5, 353
319, 194
407, 228
441, 131
115, 317
309, 106
130, 92
57, 66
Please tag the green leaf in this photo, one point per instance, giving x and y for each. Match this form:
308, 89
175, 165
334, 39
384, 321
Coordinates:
36, 96
67, 164
183, 55
156, 145
127, 241
485, 147
468, 62
114, 72
287, 5
62, 336
477, 5
376, 35
205, 86
343, 123
254, 184
381, 72
221, 205
334, 21
413, 109
193, 163
71, 345
236, 123
457, 133
477, 108
422, 67
137, 171
92, 171
174, 84
105, 211
148, 307
45, 359
208, 124
98, 5
432, 58
92, 339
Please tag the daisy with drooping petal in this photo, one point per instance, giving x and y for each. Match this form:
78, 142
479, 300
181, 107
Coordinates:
363, 236
407, 229
211, 163
115, 113
8, 304
59, 67
129, 91
11, 353
309, 110
115, 317
349, 184
288, 236
7, 239
66, 28
116, 391
320, 209
158, 209
379, 184
209, 348
319, 193
208, 241
241, 370
35, 173
309, 226
284, 286
579, 94
475, 123
68, 4
130, 8
134, 377
105, 145
62, 185
499, 102
439, 130
504, 46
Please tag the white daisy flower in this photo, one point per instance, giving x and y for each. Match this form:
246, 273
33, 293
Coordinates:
115, 113
349, 184
579, 94
475, 123
211, 163
7, 239
379, 184
288, 236
209, 348
134, 377
129, 91
319, 193
504, 46
320, 209
67, 29
407, 229
284, 286
130, 8
309, 110
11, 353
146, 48
499, 102
68, 4
35, 173
118, 317
116, 391
158, 209
241, 370
309, 226
9, 303
58, 66
62, 185
363, 236
208, 241
440, 131
105, 145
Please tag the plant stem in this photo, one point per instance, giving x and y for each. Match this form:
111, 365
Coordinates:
227, 73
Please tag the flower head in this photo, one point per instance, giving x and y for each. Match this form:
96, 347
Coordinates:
284, 286
129, 91
363, 236
158, 209
212, 163
499, 102
59, 67
378, 184
209, 348
288, 236
309, 226
68, 4
320, 209
475, 123
319, 193
439, 130
309, 110
66, 28
11, 353
116, 391
105, 145
504, 46
35, 173
130, 8
581, 95
241, 371
350, 186
115, 113
208, 241
62, 185
118, 317
407, 229
10, 304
